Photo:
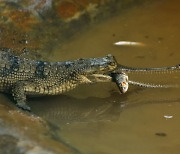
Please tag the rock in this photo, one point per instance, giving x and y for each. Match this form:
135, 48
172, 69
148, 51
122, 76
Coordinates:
23, 132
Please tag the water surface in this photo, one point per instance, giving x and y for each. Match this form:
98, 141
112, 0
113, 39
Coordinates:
95, 118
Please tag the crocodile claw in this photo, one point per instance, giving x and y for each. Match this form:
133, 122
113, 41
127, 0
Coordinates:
23, 106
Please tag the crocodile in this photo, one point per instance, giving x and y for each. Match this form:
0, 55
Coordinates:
23, 77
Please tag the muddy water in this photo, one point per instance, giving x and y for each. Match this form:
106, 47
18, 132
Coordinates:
95, 118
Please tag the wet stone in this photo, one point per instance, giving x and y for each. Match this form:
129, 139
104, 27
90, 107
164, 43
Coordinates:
22, 132
8, 144
42, 24
67, 9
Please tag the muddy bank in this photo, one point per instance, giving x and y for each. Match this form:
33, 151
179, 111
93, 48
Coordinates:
22, 132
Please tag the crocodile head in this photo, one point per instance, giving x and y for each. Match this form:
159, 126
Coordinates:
98, 69
102, 65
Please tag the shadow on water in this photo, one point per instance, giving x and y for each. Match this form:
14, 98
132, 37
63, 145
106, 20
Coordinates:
67, 109
62, 109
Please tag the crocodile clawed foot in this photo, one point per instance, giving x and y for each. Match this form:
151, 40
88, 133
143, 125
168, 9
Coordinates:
23, 106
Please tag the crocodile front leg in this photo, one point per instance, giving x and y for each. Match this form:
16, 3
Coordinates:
19, 94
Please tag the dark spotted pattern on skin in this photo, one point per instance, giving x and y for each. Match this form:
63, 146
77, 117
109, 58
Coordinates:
22, 77
40, 70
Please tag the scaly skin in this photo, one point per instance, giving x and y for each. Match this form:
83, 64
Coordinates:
21, 76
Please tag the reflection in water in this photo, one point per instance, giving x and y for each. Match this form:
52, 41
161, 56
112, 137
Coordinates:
66, 109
